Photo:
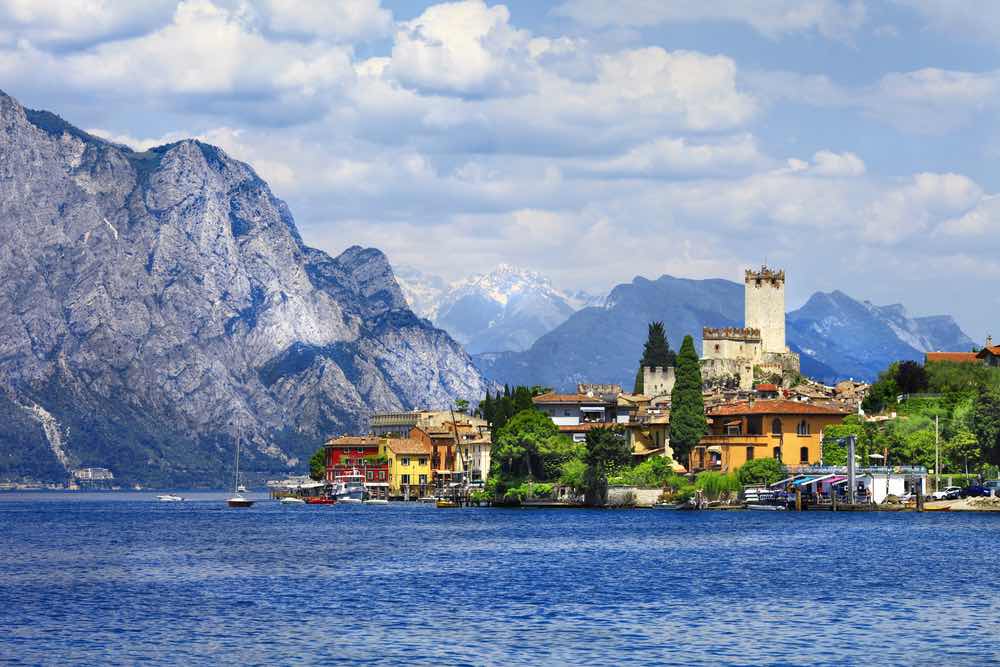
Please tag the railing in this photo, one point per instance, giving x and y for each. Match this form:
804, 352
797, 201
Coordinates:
727, 439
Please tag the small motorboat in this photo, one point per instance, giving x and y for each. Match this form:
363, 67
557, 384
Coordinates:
346, 500
376, 501
767, 508
444, 503
668, 506
291, 500
239, 501
320, 501
169, 498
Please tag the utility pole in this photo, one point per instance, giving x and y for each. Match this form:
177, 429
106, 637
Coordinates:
937, 454
851, 443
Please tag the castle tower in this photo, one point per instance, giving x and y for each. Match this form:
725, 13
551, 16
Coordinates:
764, 303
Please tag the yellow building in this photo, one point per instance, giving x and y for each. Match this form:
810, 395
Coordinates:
789, 431
409, 467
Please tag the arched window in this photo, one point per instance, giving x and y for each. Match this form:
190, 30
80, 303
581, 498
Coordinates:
803, 455
776, 426
803, 428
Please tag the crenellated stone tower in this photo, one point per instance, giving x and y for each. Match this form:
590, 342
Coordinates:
764, 307
734, 353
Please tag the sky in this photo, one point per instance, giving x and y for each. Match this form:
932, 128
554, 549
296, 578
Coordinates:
851, 142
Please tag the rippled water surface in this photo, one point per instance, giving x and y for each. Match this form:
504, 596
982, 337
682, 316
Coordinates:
122, 578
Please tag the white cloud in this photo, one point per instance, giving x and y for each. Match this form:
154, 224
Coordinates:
678, 156
463, 48
980, 18
838, 19
342, 20
75, 23
828, 163
981, 221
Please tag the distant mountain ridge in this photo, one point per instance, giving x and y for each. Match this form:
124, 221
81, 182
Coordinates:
506, 309
154, 299
837, 336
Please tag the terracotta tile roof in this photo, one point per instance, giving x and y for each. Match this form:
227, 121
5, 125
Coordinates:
583, 428
407, 446
957, 357
767, 386
553, 397
775, 407
989, 352
353, 441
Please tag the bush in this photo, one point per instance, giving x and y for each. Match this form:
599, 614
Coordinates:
714, 484
761, 471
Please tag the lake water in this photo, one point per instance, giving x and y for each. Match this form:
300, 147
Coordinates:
121, 578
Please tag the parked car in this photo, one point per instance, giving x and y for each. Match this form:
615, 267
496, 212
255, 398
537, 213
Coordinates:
994, 485
975, 491
947, 493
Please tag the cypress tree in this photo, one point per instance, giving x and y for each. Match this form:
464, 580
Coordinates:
522, 400
687, 406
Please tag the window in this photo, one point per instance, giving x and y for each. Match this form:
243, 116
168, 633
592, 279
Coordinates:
404, 479
777, 454
405, 461
733, 429
381, 475
422, 461
360, 450
717, 347
370, 475
804, 455
749, 453
423, 480
802, 428
776, 426
566, 413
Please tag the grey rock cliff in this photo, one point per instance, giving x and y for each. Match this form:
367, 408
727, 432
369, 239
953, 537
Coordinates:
153, 299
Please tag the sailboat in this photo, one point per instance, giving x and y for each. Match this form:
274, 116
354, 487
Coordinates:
238, 500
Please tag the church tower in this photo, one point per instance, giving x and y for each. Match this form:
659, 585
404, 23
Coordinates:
764, 303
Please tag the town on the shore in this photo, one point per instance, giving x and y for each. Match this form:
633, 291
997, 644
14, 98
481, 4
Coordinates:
739, 427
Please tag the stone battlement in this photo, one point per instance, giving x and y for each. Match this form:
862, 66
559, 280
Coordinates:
730, 333
765, 275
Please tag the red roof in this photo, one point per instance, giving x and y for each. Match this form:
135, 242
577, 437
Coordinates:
408, 446
353, 441
582, 428
956, 357
989, 351
774, 407
767, 386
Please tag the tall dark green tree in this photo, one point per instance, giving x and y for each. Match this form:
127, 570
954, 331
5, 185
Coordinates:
607, 450
687, 406
656, 352
522, 400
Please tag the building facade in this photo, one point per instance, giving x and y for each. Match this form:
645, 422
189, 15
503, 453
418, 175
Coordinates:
409, 466
362, 454
788, 431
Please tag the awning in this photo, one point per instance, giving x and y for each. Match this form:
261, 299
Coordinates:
376, 483
813, 480
732, 422
591, 409
782, 482
716, 449
805, 480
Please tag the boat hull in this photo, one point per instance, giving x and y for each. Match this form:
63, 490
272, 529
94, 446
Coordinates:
321, 501
239, 502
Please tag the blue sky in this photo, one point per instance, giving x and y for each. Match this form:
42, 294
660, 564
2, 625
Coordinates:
850, 142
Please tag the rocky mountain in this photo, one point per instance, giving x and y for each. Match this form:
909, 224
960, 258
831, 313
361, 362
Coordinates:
836, 336
506, 309
154, 300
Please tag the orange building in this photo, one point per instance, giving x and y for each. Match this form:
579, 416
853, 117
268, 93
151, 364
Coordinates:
789, 431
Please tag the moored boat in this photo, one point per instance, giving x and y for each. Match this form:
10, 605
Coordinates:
292, 500
376, 501
321, 501
767, 508
238, 500
169, 498
444, 503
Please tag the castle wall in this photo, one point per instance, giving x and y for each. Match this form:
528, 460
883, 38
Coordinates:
657, 381
764, 307
731, 348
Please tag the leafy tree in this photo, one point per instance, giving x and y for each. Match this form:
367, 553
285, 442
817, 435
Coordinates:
656, 352
461, 405
573, 474
607, 449
911, 378
522, 400
986, 423
883, 392
687, 406
317, 465
530, 444
960, 450
761, 471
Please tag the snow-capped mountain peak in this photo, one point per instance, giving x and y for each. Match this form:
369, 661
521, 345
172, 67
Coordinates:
505, 309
